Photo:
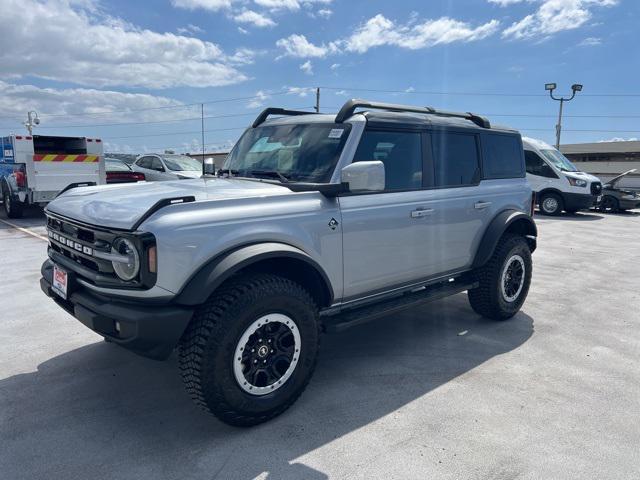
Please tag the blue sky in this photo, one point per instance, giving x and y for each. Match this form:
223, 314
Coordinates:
133, 73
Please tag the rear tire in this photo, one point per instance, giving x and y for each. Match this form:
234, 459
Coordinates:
504, 280
250, 350
551, 204
11, 208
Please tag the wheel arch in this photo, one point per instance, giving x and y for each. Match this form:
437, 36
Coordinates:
542, 193
271, 257
507, 221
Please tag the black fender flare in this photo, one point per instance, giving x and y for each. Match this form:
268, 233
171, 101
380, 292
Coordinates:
214, 273
507, 220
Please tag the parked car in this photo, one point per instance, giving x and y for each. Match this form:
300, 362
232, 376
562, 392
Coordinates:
119, 172
616, 199
558, 184
315, 223
167, 167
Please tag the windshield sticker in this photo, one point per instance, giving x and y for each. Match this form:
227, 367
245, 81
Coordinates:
336, 132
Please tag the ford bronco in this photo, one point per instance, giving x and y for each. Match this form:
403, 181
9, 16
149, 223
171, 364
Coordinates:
315, 223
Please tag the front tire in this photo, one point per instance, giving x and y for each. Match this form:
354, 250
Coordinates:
609, 204
504, 280
251, 349
11, 208
551, 204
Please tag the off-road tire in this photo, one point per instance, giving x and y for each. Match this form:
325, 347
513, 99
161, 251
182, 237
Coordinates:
488, 300
12, 208
559, 203
207, 348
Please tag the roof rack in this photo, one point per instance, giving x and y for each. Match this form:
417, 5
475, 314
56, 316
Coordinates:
349, 108
277, 111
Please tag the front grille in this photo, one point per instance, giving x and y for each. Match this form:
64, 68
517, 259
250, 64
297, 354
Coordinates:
596, 188
79, 244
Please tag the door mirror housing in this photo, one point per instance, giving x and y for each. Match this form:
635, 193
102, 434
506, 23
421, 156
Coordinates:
208, 166
364, 176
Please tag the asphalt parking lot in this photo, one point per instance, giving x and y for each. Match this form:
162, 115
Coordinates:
552, 393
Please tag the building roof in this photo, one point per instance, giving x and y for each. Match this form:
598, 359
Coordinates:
602, 147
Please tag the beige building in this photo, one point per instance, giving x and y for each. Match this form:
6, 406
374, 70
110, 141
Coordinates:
606, 159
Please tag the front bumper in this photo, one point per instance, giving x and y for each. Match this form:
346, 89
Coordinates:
578, 201
629, 204
150, 330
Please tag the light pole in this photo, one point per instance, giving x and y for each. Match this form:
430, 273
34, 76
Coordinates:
576, 87
32, 121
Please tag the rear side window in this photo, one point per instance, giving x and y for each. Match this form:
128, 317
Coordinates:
455, 158
501, 156
401, 153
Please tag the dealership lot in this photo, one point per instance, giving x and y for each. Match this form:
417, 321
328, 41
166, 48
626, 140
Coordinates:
436, 392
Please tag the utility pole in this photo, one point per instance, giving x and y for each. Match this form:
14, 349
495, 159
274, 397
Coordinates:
32, 121
550, 87
202, 128
318, 100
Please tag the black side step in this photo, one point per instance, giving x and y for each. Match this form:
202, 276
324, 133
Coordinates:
349, 318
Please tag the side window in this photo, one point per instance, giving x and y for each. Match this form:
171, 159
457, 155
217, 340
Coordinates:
401, 153
144, 162
501, 156
455, 158
156, 164
536, 166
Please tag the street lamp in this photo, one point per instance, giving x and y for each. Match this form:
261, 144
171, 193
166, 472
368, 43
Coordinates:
550, 87
32, 121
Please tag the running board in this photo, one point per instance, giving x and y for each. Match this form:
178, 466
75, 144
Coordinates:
356, 316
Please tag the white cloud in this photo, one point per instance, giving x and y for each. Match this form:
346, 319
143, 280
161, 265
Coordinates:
213, 5
324, 13
298, 46
341, 93
379, 30
619, 139
300, 91
189, 29
259, 100
334, 66
243, 31
307, 67
505, 3
555, 16
289, 4
58, 40
102, 105
590, 42
255, 18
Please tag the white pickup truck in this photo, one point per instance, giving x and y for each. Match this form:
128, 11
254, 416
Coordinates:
35, 168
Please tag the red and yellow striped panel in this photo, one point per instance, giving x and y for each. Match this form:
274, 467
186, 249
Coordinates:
66, 158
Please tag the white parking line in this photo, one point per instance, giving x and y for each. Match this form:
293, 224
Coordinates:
24, 230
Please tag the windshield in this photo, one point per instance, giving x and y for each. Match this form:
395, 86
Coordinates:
307, 152
182, 164
561, 162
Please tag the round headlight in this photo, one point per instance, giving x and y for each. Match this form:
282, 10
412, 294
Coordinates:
126, 270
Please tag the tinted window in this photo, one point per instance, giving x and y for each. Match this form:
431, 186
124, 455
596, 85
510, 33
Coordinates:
156, 164
536, 166
401, 153
144, 162
113, 165
455, 157
501, 156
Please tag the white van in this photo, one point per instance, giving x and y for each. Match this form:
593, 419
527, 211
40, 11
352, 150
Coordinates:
557, 183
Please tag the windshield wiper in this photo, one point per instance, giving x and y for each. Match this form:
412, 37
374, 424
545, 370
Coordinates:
269, 173
228, 171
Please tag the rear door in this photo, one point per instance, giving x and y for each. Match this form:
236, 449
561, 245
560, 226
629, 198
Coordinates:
57, 162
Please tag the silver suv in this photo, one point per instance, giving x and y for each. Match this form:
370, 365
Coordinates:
316, 223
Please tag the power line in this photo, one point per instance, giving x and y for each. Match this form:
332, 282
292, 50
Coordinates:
177, 133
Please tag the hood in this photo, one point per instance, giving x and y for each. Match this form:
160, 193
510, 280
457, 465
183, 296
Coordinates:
120, 206
612, 183
582, 175
188, 173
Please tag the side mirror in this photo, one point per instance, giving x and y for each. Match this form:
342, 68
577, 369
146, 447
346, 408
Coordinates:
364, 176
208, 167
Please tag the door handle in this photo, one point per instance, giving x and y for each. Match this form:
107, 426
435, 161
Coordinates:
481, 205
421, 212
